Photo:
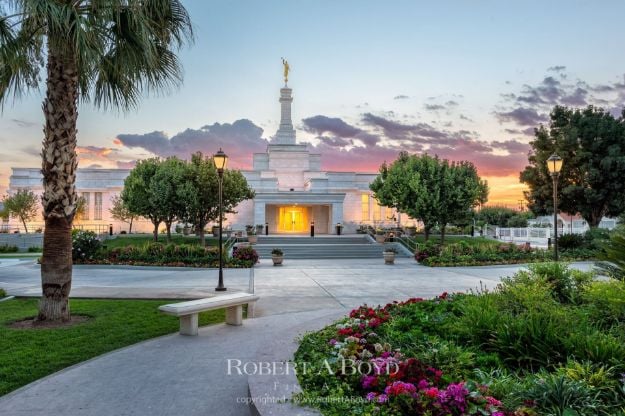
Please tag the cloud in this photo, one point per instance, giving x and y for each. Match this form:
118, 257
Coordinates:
320, 125
434, 107
401, 97
24, 123
522, 116
557, 68
239, 140
532, 103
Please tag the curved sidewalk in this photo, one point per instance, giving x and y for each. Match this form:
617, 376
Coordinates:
171, 375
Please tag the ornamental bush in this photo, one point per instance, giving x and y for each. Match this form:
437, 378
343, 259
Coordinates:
246, 254
8, 249
85, 245
548, 341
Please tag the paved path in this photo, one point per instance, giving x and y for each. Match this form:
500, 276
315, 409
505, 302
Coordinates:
299, 285
177, 375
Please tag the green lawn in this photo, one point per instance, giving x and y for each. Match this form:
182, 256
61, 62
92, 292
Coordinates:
27, 355
142, 239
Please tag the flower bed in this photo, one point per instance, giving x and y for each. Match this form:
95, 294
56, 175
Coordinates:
549, 341
465, 254
159, 254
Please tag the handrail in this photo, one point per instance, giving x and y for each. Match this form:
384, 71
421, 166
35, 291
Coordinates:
409, 243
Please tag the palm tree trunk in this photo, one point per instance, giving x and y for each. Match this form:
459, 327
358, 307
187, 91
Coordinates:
59, 175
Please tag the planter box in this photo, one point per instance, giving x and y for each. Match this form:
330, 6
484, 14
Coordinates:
252, 239
277, 260
389, 257
380, 238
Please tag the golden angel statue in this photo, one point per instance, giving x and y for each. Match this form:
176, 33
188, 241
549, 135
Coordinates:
287, 68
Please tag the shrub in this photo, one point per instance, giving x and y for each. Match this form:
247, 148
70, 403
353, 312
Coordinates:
85, 245
568, 241
391, 250
3, 293
246, 254
35, 249
613, 255
277, 252
8, 249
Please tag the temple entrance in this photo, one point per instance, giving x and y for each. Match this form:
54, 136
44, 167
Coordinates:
293, 219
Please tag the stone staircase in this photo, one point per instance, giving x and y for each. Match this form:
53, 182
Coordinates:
324, 247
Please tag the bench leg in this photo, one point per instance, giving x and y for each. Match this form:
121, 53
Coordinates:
251, 310
234, 315
188, 324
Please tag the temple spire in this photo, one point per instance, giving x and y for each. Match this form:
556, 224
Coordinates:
286, 132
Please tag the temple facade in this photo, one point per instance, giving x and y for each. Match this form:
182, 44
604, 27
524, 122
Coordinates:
292, 191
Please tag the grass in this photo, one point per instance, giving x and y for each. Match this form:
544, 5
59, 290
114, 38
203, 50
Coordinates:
27, 354
143, 239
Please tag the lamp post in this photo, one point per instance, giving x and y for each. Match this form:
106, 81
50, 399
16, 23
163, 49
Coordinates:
554, 164
220, 160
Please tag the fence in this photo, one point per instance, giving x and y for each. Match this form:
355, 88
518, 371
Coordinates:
536, 235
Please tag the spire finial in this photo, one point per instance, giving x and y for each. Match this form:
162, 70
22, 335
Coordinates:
287, 68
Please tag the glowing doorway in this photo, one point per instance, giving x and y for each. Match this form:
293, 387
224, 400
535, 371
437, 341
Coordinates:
293, 219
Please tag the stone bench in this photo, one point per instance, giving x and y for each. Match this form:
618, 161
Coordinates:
188, 311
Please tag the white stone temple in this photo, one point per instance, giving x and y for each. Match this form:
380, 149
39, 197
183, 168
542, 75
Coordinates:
291, 190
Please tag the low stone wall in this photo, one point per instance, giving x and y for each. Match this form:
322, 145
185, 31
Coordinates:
22, 241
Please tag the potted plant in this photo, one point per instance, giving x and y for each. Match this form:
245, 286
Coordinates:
380, 235
277, 256
389, 255
252, 238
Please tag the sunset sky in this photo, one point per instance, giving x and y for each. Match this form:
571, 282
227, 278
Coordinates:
465, 80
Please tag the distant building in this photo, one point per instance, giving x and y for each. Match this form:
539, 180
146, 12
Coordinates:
291, 190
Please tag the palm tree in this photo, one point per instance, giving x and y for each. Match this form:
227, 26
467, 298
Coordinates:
108, 52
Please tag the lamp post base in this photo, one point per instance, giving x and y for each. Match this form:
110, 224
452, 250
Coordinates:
220, 289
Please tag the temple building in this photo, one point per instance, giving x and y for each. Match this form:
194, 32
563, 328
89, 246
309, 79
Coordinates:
291, 190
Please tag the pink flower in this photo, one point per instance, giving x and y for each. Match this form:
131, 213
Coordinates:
399, 387
423, 384
369, 382
492, 401
371, 396
382, 398
332, 342
432, 393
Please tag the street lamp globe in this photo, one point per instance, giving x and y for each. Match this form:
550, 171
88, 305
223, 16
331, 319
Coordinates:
554, 164
220, 159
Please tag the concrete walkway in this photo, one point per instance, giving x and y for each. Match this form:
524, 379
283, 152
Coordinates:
299, 285
177, 375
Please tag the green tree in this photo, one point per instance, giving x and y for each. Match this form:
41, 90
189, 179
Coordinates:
163, 191
22, 205
110, 51
495, 215
591, 143
461, 189
137, 194
199, 192
120, 212
428, 189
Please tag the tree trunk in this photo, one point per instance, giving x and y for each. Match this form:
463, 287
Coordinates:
202, 237
130, 227
443, 234
155, 232
59, 176
168, 225
25, 228
426, 231
56, 270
